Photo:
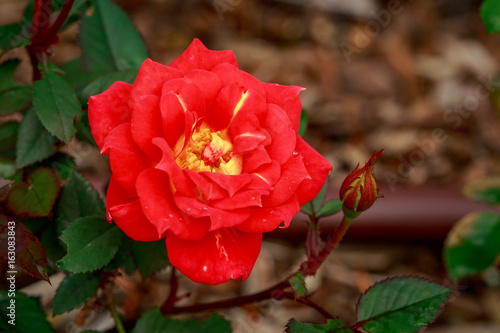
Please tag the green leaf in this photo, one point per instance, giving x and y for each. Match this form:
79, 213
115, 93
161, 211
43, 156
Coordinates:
92, 243
105, 81
401, 305
8, 136
490, 14
77, 76
485, 190
15, 99
330, 207
74, 291
317, 202
303, 122
34, 143
36, 196
7, 70
472, 245
109, 40
150, 256
29, 252
56, 105
13, 36
78, 199
307, 208
51, 244
7, 167
332, 325
63, 164
298, 285
28, 314
5, 185
154, 322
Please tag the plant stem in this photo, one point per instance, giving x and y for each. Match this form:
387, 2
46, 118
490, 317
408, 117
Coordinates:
311, 265
172, 296
118, 322
275, 291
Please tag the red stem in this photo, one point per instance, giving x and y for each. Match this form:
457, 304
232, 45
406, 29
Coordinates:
61, 18
275, 291
172, 296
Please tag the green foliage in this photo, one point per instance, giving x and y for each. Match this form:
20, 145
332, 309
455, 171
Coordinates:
74, 291
103, 82
109, 40
34, 143
36, 196
472, 245
154, 322
56, 104
13, 36
485, 190
13, 96
92, 243
329, 208
78, 199
150, 256
298, 285
401, 305
490, 14
332, 325
303, 122
8, 136
29, 314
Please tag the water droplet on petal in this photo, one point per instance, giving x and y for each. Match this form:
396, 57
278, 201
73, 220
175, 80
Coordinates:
188, 209
170, 215
295, 153
252, 198
264, 220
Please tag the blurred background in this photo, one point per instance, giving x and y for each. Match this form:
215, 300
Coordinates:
415, 78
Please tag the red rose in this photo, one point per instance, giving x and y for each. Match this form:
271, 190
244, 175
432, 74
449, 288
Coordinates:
207, 156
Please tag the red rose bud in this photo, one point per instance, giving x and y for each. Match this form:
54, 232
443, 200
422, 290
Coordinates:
360, 189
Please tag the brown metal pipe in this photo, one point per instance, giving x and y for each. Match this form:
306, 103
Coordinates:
405, 214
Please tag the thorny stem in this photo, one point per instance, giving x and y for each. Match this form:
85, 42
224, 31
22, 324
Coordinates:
309, 267
42, 35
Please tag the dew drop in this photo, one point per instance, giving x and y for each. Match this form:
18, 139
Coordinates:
188, 209
170, 215
252, 198
264, 220
295, 153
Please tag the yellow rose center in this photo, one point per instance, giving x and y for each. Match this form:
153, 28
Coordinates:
210, 151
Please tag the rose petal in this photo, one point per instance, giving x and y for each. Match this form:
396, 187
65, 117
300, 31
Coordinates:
282, 133
268, 219
125, 210
153, 189
246, 198
151, 77
219, 218
146, 124
125, 159
287, 97
108, 110
222, 255
197, 56
316, 165
167, 163
173, 118
270, 173
255, 159
208, 82
209, 189
225, 103
231, 183
293, 173
230, 74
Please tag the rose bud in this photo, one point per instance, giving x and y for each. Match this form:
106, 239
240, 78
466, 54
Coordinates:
360, 189
207, 157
